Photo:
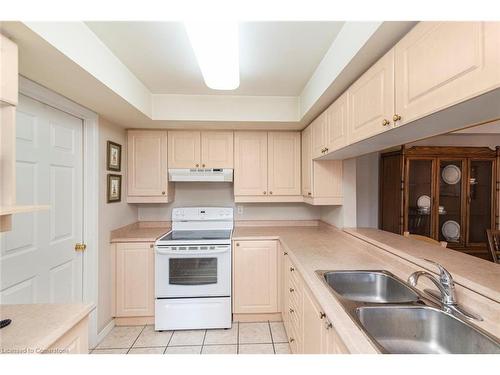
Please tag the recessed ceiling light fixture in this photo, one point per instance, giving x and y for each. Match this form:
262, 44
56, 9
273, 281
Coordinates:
215, 44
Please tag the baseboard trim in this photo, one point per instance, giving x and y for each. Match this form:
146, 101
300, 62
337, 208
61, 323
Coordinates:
134, 320
104, 332
273, 317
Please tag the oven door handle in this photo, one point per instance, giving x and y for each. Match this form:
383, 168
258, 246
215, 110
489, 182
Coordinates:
161, 251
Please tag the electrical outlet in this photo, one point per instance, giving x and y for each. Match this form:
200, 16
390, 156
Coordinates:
240, 210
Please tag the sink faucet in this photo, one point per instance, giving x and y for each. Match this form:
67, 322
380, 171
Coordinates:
446, 287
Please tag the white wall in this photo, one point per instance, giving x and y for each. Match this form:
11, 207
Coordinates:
111, 216
221, 194
367, 169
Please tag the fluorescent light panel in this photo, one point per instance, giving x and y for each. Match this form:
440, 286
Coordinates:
216, 47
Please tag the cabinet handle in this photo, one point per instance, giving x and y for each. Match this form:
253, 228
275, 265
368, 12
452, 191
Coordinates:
292, 290
162, 193
292, 269
264, 192
386, 122
396, 117
322, 315
292, 311
291, 339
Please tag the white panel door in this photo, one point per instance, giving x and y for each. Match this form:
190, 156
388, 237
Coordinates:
38, 262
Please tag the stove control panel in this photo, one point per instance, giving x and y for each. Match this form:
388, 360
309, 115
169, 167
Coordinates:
202, 213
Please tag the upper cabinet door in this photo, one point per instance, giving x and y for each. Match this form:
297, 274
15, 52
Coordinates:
284, 163
336, 120
439, 64
319, 146
147, 163
8, 71
371, 100
184, 149
217, 149
250, 163
306, 162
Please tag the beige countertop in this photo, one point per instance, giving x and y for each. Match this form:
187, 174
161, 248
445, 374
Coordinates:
327, 248
144, 231
35, 327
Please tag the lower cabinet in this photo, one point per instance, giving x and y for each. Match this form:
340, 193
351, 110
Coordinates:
309, 329
255, 277
134, 279
74, 341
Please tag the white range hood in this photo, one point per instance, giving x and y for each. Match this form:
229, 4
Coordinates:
201, 175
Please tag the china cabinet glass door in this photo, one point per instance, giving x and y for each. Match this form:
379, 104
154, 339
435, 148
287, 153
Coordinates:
479, 199
451, 201
420, 186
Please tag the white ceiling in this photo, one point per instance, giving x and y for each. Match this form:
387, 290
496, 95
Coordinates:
276, 58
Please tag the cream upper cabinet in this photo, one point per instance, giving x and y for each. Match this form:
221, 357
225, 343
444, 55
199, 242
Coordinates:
217, 149
147, 167
371, 100
8, 71
306, 162
439, 64
319, 136
134, 279
336, 124
250, 163
184, 149
284, 163
267, 166
255, 277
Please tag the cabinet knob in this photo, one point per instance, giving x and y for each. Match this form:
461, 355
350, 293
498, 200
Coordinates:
291, 339
322, 315
203, 165
264, 192
285, 253
292, 269
386, 122
151, 246
292, 311
309, 193
162, 193
292, 290
396, 117
328, 325
270, 192
237, 244
326, 149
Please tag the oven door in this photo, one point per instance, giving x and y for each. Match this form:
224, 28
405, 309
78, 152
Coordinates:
193, 271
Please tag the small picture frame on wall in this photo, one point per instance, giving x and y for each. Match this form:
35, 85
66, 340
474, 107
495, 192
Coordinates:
114, 191
114, 156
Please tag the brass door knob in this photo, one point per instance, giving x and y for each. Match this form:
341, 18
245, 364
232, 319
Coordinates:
396, 117
386, 122
80, 247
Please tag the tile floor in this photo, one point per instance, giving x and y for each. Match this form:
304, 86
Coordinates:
241, 338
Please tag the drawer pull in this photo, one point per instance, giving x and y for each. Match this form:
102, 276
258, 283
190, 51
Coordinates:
292, 269
292, 311
328, 325
237, 244
285, 253
322, 315
292, 290
291, 339
386, 122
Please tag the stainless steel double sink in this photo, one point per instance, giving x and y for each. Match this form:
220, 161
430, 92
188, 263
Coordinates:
399, 319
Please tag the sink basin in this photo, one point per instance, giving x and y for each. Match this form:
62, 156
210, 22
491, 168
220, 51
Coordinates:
370, 286
423, 329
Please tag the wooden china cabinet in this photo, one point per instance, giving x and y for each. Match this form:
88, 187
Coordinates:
446, 193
